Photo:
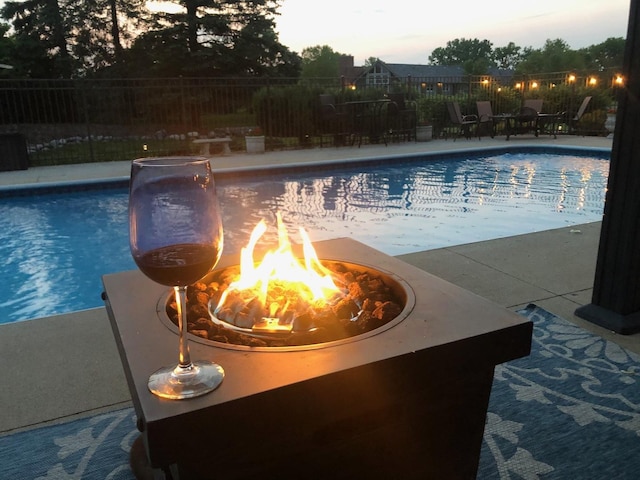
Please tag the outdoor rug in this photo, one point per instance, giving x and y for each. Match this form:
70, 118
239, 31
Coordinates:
570, 410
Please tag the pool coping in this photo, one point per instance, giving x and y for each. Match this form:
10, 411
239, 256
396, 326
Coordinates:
27, 189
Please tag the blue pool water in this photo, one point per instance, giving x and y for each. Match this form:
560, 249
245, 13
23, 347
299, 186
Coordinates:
56, 246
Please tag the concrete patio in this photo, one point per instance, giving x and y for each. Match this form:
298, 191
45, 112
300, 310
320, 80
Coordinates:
61, 367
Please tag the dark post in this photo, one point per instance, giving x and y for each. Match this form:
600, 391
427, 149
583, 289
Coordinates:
616, 290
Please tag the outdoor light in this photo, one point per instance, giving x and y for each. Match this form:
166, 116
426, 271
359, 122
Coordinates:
592, 81
534, 84
571, 78
485, 82
144, 147
518, 86
618, 81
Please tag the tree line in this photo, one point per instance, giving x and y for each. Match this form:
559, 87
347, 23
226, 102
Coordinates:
478, 57
217, 38
124, 38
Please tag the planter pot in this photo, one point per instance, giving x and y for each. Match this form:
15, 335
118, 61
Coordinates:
610, 124
255, 144
424, 133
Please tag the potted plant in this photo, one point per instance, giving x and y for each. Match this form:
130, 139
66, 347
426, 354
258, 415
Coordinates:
424, 131
255, 140
424, 127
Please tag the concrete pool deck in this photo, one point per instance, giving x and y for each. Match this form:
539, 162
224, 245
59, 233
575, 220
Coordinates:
58, 368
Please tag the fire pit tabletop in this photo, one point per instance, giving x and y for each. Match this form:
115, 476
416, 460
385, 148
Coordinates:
447, 324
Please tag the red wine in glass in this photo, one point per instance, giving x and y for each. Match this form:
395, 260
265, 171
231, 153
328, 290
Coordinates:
175, 235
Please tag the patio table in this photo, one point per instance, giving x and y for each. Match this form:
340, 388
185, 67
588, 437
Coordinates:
366, 118
542, 122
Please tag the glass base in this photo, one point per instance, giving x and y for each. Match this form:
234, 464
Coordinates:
177, 383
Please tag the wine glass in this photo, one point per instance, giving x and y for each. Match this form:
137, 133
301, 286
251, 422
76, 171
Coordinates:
175, 235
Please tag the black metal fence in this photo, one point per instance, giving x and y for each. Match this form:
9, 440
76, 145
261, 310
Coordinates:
73, 121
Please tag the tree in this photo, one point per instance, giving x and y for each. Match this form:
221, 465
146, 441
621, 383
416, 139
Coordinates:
41, 35
605, 55
7, 51
507, 57
555, 56
64, 38
320, 61
371, 61
214, 38
475, 56
100, 30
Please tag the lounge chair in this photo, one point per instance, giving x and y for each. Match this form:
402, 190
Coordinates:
462, 122
485, 118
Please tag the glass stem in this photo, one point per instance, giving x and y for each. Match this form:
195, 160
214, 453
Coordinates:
181, 306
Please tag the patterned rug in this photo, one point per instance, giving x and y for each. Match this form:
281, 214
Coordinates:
571, 410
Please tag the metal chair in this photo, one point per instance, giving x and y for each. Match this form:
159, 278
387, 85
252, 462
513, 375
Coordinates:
462, 122
485, 118
573, 122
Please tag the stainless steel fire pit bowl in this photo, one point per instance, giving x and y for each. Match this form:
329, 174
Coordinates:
402, 292
407, 402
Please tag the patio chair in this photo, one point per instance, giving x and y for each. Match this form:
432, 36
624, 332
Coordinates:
332, 122
534, 103
573, 122
401, 117
485, 118
462, 122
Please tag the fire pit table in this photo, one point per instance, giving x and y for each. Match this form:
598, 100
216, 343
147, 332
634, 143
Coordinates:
408, 400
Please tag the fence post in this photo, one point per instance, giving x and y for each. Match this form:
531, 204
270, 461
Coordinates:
269, 109
183, 112
615, 303
87, 119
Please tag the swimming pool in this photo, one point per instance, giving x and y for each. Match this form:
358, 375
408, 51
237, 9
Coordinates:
56, 245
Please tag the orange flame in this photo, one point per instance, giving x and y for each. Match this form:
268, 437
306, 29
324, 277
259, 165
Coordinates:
312, 282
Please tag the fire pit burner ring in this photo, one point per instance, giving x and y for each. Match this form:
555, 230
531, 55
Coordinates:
374, 301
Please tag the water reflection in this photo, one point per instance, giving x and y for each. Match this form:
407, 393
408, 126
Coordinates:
410, 206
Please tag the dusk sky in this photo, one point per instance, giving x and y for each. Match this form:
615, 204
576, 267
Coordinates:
407, 31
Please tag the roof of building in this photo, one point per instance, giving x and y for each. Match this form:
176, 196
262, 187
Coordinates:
449, 72
406, 70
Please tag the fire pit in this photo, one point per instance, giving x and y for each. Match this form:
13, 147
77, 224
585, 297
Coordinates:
369, 301
288, 297
405, 400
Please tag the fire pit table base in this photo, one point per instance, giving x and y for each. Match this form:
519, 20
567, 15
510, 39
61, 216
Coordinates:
409, 402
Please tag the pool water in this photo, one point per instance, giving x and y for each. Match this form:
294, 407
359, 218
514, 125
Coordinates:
55, 247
